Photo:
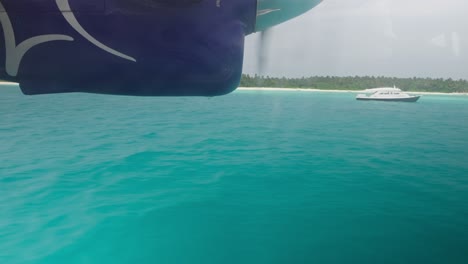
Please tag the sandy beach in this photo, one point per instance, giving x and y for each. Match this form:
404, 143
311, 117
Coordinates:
2, 83
7, 83
333, 91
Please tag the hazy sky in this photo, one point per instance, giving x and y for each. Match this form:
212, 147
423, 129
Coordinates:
402, 38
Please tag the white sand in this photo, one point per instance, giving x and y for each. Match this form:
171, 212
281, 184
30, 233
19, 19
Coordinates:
330, 91
291, 89
7, 83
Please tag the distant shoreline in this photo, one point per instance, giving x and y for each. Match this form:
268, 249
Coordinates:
3, 83
334, 91
8, 83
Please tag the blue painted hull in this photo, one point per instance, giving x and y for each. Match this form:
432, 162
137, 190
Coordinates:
125, 47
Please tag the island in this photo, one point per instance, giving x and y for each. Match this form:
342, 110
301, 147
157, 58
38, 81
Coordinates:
357, 83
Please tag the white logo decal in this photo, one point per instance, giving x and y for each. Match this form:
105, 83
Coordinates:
64, 7
14, 53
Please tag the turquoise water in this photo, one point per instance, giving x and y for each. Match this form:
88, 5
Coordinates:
252, 177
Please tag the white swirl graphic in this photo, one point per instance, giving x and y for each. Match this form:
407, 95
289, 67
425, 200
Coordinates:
67, 13
15, 53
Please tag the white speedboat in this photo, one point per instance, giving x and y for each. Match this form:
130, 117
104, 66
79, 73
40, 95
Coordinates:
387, 94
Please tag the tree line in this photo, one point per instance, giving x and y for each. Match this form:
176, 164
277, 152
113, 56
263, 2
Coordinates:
358, 83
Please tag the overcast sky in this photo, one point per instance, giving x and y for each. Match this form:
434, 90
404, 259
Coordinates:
401, 38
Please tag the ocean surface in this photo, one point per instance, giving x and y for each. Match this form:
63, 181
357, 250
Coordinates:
251, 177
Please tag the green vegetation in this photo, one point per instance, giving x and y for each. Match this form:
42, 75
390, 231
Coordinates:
358, 83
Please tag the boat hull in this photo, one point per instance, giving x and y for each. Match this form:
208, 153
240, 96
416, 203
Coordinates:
407, 99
